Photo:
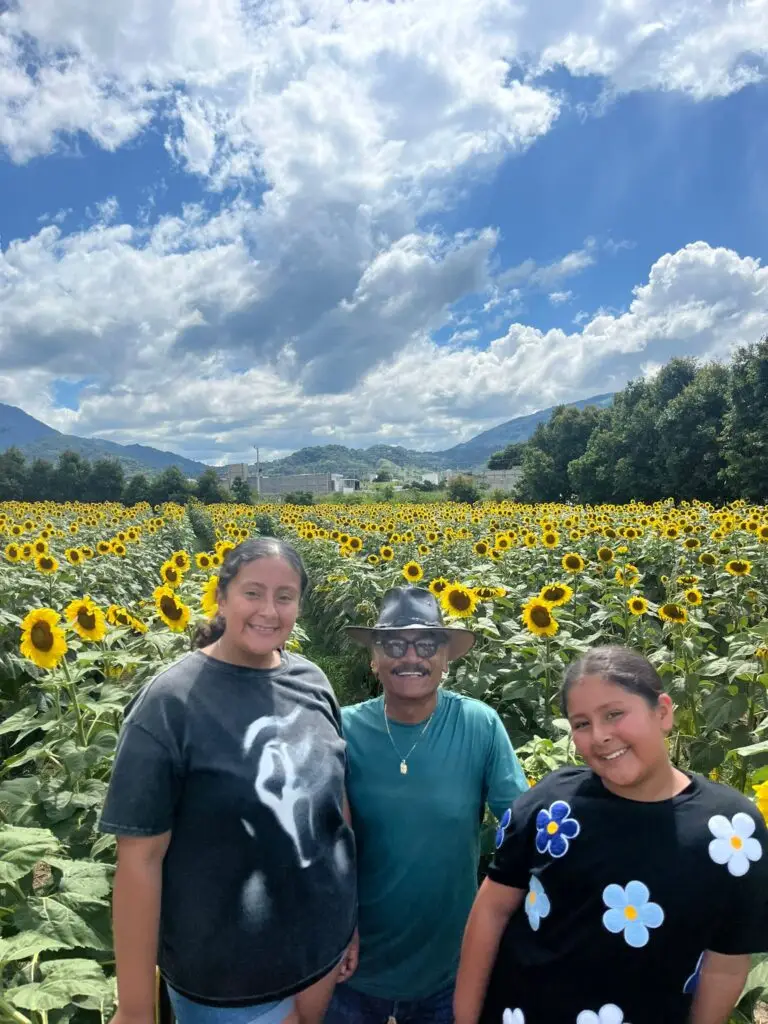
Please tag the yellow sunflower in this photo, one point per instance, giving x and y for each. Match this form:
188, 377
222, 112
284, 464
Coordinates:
707, 558
87, 619
181, 560
637, 605
693, 596
373, 559
173, 612
738, 567
42, 639
103, 547
171, 575
538, 618
413, 572
485, 593
480, 547
556, 594
458, 600
12, 553
203, 560
386, 553
46, 564
437, 586
74, 556
40, 546
672, 612
550, 539
627, 576
605, 555
208, 599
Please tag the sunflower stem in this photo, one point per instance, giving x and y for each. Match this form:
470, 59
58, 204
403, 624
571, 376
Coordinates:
72, 690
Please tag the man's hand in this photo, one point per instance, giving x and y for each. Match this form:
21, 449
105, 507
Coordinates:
351, 958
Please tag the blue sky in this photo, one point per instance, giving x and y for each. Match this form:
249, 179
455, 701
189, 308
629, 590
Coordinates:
373, 223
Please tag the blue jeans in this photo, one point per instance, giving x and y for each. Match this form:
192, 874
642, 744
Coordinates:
351, 1007
187, 1012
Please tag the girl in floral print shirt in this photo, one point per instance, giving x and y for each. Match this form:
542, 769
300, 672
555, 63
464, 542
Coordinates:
623, 892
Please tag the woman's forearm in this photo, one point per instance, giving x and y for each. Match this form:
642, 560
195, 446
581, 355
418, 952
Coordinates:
136, 921
482, 936
720, 985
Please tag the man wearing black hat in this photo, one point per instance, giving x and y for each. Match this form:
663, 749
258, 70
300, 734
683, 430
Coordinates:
423, 762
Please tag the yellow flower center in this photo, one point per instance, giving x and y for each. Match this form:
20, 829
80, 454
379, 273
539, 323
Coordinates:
552, 827
42, 636
630, 913
736, 843
531, 898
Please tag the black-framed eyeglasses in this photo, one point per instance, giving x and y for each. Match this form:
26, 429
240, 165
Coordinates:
397, 646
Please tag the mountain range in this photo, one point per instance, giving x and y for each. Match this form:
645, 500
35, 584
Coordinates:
37, 440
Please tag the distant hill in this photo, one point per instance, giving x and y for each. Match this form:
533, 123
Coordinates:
39, 441
472, 454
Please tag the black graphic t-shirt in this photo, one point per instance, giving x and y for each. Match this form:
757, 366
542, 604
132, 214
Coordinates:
246, 769
622, 899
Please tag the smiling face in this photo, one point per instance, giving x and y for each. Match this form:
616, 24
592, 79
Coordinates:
410, 677
619, 734
260, 607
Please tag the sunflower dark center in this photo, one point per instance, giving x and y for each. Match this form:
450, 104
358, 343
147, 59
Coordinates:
170, 608
46, 563
540, 617
42, 636
554, 594
459, 601
86, 618
171, 574
572, 562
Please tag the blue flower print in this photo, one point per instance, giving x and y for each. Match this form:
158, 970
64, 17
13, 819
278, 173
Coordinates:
537, 903
555, 828
630, 911
690, 985
501, 831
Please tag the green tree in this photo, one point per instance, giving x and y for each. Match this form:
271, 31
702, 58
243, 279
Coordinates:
241, 491
299, 498
462, 489
745, 431
71, 477
40, 484
13, 475
690, 455
137, 489
553, 446
107, 481
209, 488
509, 458
170, 485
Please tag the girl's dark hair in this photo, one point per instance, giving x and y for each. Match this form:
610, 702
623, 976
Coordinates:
620, 665
249, 551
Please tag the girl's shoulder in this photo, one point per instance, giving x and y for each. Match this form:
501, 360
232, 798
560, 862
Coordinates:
566, 784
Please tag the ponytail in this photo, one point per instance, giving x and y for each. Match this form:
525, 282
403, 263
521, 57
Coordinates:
208, 633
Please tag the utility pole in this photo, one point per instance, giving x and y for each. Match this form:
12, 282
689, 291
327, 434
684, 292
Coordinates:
258, 472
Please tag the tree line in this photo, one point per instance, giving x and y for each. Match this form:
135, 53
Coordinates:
689, 431
73, 478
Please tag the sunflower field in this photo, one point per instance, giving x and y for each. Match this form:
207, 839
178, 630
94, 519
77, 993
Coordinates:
97, 598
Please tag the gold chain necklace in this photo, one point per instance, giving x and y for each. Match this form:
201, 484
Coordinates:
404, 760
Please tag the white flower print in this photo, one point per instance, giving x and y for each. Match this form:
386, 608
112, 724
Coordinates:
608, 1014
734, 843
513, 1017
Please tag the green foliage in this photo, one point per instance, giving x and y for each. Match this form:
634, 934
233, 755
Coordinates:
462, 489
299, 498
209, 489
510, 457
202, 525
241, 491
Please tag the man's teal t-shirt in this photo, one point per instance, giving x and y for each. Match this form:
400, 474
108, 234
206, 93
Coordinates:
418, 836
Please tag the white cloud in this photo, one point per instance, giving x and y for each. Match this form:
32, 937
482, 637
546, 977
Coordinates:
558, 298
699, 301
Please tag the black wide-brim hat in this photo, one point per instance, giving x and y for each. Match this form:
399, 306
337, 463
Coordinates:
413, 608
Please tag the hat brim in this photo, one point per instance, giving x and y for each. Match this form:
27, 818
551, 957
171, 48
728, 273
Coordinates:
460, 641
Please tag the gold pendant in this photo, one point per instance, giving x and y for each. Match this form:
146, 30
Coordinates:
392, 1020
403, 771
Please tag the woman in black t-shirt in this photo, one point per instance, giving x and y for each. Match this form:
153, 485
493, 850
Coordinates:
236, 870
624, 892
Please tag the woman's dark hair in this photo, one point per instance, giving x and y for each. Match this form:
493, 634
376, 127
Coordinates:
620, 665
249, 551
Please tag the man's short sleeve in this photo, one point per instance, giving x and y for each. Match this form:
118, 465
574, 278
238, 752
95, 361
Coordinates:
513, 860
504, 777
144, 787
745, 927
